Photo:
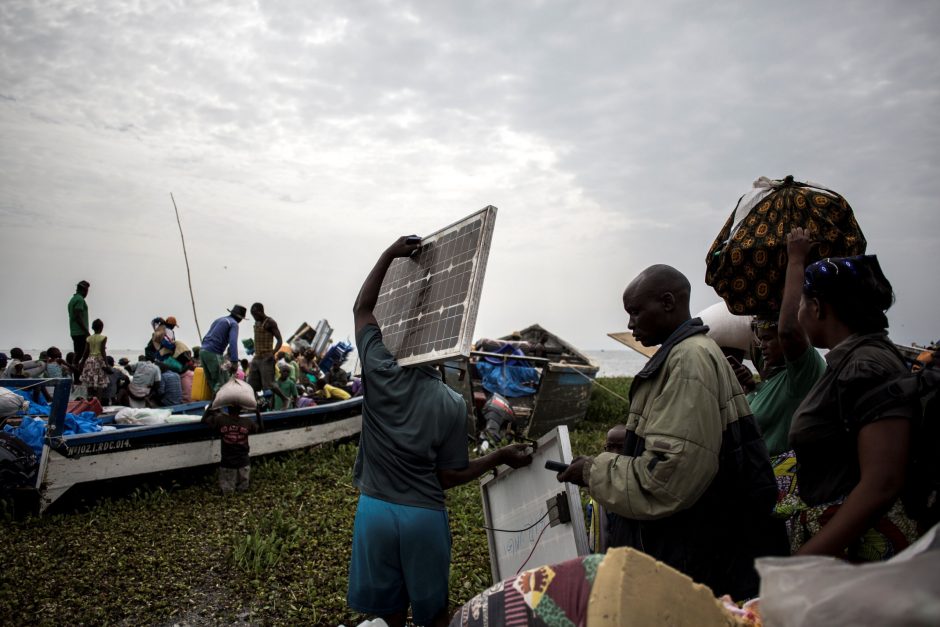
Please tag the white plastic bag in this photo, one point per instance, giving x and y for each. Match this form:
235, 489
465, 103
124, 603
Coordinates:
235, 392
727, 329
808, 591
11, 403
142, 416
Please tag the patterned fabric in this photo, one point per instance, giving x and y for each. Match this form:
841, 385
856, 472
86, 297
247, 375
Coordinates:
264, 339
547, 596
93, 375
890, 535
747, 262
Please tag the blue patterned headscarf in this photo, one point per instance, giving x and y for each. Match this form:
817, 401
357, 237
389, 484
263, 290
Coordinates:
856, 287
827, 275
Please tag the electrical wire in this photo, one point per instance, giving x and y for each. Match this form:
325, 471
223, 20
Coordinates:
601, 386
534, 546
549, 511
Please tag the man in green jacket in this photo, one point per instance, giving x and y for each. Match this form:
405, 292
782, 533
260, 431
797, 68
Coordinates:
692, 486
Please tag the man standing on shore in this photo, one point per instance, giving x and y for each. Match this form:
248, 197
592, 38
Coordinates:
413, 446
268, 343
222, 333
692, 485
78, 321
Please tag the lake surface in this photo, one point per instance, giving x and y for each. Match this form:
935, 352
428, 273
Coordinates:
613, 363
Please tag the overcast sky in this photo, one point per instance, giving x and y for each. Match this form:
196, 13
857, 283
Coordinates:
300, 138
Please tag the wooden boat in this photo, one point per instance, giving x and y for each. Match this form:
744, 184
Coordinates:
563, 389
129, 450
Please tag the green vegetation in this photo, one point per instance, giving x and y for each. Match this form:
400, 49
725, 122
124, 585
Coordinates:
605, 408
185, 554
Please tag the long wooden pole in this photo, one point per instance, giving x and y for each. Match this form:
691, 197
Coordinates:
186, 257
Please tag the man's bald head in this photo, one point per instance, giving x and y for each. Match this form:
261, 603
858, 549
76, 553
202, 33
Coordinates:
660, 279
657, 301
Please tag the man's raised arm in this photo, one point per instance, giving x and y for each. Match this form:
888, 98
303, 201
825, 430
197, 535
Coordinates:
369, 292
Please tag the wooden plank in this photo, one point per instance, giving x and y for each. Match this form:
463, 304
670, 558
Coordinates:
626, 338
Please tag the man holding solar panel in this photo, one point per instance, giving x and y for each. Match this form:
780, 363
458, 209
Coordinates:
413, 446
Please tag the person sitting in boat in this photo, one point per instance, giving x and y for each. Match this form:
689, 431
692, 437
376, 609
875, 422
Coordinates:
13, 368
338, 377
117, 382
186, 382
234, 429
307, 363
286, 394
329, 391
152, 349
170, 388
55, 365
143, 389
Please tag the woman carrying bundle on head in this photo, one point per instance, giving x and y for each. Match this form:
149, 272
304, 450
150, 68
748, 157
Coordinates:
851, 462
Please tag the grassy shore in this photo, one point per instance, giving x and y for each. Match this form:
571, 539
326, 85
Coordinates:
180, 553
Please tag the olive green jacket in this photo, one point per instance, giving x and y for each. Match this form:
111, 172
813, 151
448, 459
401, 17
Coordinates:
681, 412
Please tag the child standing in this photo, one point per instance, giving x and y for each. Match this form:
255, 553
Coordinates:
235, 467
287, 387
93, 365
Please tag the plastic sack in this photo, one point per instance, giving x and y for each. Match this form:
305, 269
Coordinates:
142, 416
727, 329
83, 422
235, 392
804, 591
12, 403
32, 431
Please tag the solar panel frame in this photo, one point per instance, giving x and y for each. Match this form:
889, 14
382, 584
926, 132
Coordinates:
433, 276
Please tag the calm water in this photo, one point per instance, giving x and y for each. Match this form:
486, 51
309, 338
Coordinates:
613, 363
617, 363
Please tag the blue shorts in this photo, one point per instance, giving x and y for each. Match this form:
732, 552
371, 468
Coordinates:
400, 553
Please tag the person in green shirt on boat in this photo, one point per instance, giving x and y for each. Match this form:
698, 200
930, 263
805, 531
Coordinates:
78, 321
791, 367
287, 387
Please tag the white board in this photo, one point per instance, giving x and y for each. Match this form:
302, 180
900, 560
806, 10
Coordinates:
516, 498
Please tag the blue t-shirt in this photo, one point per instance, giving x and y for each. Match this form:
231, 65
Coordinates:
412, 425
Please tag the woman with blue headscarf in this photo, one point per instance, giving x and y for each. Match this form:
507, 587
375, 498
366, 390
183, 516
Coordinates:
851, 463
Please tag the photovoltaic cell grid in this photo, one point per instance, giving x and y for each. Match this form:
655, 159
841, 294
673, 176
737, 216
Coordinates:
427, 305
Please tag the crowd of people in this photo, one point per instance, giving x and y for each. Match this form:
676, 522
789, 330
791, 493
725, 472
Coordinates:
701, 476
164, 373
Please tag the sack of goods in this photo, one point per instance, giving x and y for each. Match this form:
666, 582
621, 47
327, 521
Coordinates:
235, 392
747, 262
728, 330
11, 403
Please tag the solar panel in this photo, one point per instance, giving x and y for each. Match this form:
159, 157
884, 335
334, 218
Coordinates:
427, 304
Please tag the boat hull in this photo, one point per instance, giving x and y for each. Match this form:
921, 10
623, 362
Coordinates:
131, 451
